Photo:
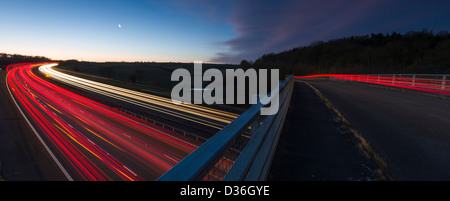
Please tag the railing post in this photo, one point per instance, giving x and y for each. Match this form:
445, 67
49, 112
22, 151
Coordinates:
413, 80
393, 79
444, 77
254, 126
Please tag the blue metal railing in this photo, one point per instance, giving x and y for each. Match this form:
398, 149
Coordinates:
243, 150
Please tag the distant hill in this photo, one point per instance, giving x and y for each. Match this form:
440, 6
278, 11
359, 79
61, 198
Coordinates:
6, 59
413, 52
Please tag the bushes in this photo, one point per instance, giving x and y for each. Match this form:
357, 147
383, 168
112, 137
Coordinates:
412, 52
6, 59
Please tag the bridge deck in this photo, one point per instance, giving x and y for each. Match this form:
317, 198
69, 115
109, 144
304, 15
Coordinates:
410, 131
312, 147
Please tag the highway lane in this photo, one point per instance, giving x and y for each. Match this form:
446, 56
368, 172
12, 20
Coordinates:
22, 157
411, 132
93, 141
190, 113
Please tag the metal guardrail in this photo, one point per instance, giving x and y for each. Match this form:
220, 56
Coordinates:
431, 83
145, 117
243, 150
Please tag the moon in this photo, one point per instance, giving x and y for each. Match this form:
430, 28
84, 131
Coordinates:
120, 26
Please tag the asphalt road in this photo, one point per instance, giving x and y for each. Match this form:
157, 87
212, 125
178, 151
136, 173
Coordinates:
93, 141
313, 148
22, 156
189, 114
411, 132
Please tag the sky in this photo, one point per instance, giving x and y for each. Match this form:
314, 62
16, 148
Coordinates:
220, 31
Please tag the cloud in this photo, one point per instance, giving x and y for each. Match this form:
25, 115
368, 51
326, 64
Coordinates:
273, 26
266, 26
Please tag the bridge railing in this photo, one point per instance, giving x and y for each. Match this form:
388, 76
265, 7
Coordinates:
243, 150
431, 83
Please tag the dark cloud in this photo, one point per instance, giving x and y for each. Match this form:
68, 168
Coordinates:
272, 26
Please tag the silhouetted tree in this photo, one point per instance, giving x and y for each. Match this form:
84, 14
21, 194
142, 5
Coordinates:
412, 52
6, 59
245, 65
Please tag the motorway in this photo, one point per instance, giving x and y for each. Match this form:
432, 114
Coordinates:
190, 114
410, 131
86, 140
91, 141
21, 155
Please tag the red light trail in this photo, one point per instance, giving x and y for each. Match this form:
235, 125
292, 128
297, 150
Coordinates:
414, 82
91, 140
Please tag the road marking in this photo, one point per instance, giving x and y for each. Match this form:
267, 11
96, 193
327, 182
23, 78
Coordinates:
128, 169
90, 141
64, 171
170, 158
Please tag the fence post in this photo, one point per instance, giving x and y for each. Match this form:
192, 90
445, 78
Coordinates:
254, 126
444, 77
413, 80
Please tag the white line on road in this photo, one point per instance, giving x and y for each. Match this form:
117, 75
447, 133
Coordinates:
64, 171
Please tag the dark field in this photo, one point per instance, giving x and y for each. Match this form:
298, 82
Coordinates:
153, 78
154, 75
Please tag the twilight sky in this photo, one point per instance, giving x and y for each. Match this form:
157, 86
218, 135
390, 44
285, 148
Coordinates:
221, 31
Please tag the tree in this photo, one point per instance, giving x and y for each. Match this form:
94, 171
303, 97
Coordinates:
413, 52
245, 65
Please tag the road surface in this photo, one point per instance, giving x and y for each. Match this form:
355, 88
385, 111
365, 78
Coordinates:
91, 141
189, 114
410, 131
22, 156
313, 148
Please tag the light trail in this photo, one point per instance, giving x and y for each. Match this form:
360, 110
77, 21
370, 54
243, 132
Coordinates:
412, 82
93, 141
187, 112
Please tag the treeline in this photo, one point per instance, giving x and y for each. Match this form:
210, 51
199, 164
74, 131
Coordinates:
6, 59
412, 52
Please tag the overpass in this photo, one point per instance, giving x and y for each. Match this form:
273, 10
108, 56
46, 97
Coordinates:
243, 150
404, 118
409, 131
